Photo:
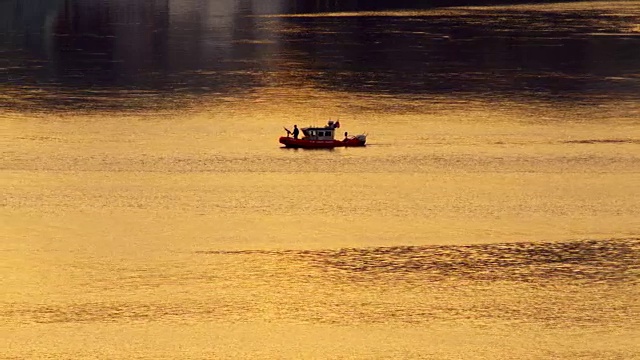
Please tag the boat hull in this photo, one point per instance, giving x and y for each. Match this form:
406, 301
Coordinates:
319, 144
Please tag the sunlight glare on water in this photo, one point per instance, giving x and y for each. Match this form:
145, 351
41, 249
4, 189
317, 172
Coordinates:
148, 211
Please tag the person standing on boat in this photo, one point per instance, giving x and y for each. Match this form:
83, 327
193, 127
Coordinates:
296, 132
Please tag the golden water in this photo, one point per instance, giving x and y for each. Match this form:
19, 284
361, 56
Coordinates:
475, 227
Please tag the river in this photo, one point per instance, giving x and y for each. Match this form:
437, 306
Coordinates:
148, 211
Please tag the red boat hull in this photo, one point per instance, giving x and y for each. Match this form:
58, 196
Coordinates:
319, 144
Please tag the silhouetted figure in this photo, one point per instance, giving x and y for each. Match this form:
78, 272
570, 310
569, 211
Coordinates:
346, 136
296, 132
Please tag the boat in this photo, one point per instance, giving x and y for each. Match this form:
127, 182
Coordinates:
322, 138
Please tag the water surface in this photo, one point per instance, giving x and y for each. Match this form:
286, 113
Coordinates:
148, 211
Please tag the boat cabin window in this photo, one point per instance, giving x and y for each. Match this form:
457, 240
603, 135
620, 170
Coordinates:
319, 134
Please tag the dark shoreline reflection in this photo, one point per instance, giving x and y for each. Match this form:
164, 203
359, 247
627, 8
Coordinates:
119, 54
322, 6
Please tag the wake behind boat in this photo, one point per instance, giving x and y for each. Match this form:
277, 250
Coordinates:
321, 138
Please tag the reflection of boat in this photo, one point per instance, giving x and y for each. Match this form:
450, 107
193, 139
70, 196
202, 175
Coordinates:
322, 138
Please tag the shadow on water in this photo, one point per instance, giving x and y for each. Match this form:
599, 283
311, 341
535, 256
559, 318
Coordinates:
566, 284
312, 149
603, 141
110, 54
588, 260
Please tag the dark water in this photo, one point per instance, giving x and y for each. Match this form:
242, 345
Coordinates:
59, 54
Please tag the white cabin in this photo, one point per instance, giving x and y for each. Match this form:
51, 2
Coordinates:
320, 133
313, 133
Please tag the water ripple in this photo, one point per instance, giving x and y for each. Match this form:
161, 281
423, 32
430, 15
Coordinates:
587, 260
